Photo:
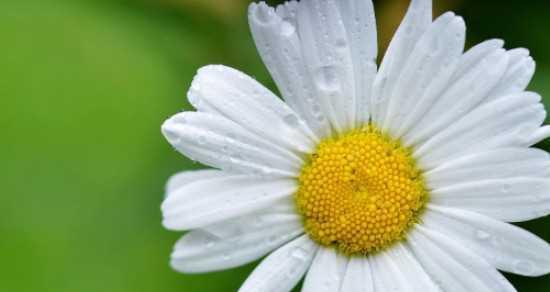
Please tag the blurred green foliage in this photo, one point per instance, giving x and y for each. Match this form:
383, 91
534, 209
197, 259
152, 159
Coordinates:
84, 87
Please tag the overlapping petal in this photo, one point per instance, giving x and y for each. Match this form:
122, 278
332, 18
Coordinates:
214, 199
283, 269
507, 247
235, 242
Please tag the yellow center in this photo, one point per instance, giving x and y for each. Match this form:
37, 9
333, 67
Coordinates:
360, 192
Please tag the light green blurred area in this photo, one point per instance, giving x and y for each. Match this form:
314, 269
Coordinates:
84, 88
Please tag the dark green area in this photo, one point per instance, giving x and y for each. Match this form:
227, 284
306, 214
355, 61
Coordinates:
84, 88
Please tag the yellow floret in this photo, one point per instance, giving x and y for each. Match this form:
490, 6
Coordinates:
360, 192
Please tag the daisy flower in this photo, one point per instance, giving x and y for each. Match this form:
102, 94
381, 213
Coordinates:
404, 177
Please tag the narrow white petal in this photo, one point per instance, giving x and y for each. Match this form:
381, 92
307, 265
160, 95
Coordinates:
326, 49
218, 142
398, 270
476, 54
463, 94
437, 50
282, 269
507, 247
452, 266
183, 178
213, 200
505, 122
510, 200
358, 276
451, 69
519, 73
238, 97
283, 209
537, 136
415, 23
276, 37
326, 272
360, 24
493, 164
242, 241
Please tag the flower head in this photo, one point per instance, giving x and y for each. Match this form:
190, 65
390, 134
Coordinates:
398, 178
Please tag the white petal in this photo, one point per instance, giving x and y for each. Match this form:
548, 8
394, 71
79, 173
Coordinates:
283, 209
243, 240
218, 142
213, 200
476, 54
452, 67
538, 135
358, 276
282, 269
326, 272
183, 178
519, 73
505, 122
236, 96
439, 47
464, 93
510, 200
326, 49
507, 247
360, 24
416, 21
452, 267
276, 38
398, 270
493, 164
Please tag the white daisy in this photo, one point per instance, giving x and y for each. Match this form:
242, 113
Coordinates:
401, 178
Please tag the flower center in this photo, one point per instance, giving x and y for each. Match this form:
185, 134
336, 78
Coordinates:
360, 192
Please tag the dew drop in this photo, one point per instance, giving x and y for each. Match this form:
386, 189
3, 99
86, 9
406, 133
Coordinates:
482, 235
506, 188
341, 43
226, 257
287, 29
326, 78
272, 239
264, 14
291, 120
298, 253
201, 140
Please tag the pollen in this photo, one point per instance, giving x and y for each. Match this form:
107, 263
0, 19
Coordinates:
360, 192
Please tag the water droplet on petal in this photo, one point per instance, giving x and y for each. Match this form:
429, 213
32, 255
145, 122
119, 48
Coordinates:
291, 120
201, 139
480, 234
299, 253
326, 78
506, 188
287, 29
341, 43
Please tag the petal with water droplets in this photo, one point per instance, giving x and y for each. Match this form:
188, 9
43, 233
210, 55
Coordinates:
218, 142
500, 163
397, 269
326, 273
511, 199
453, 267
283, 269
235, 242
238, 97
507, 247
505, 122
211, 200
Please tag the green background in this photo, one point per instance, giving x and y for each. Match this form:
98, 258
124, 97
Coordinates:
84, 88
